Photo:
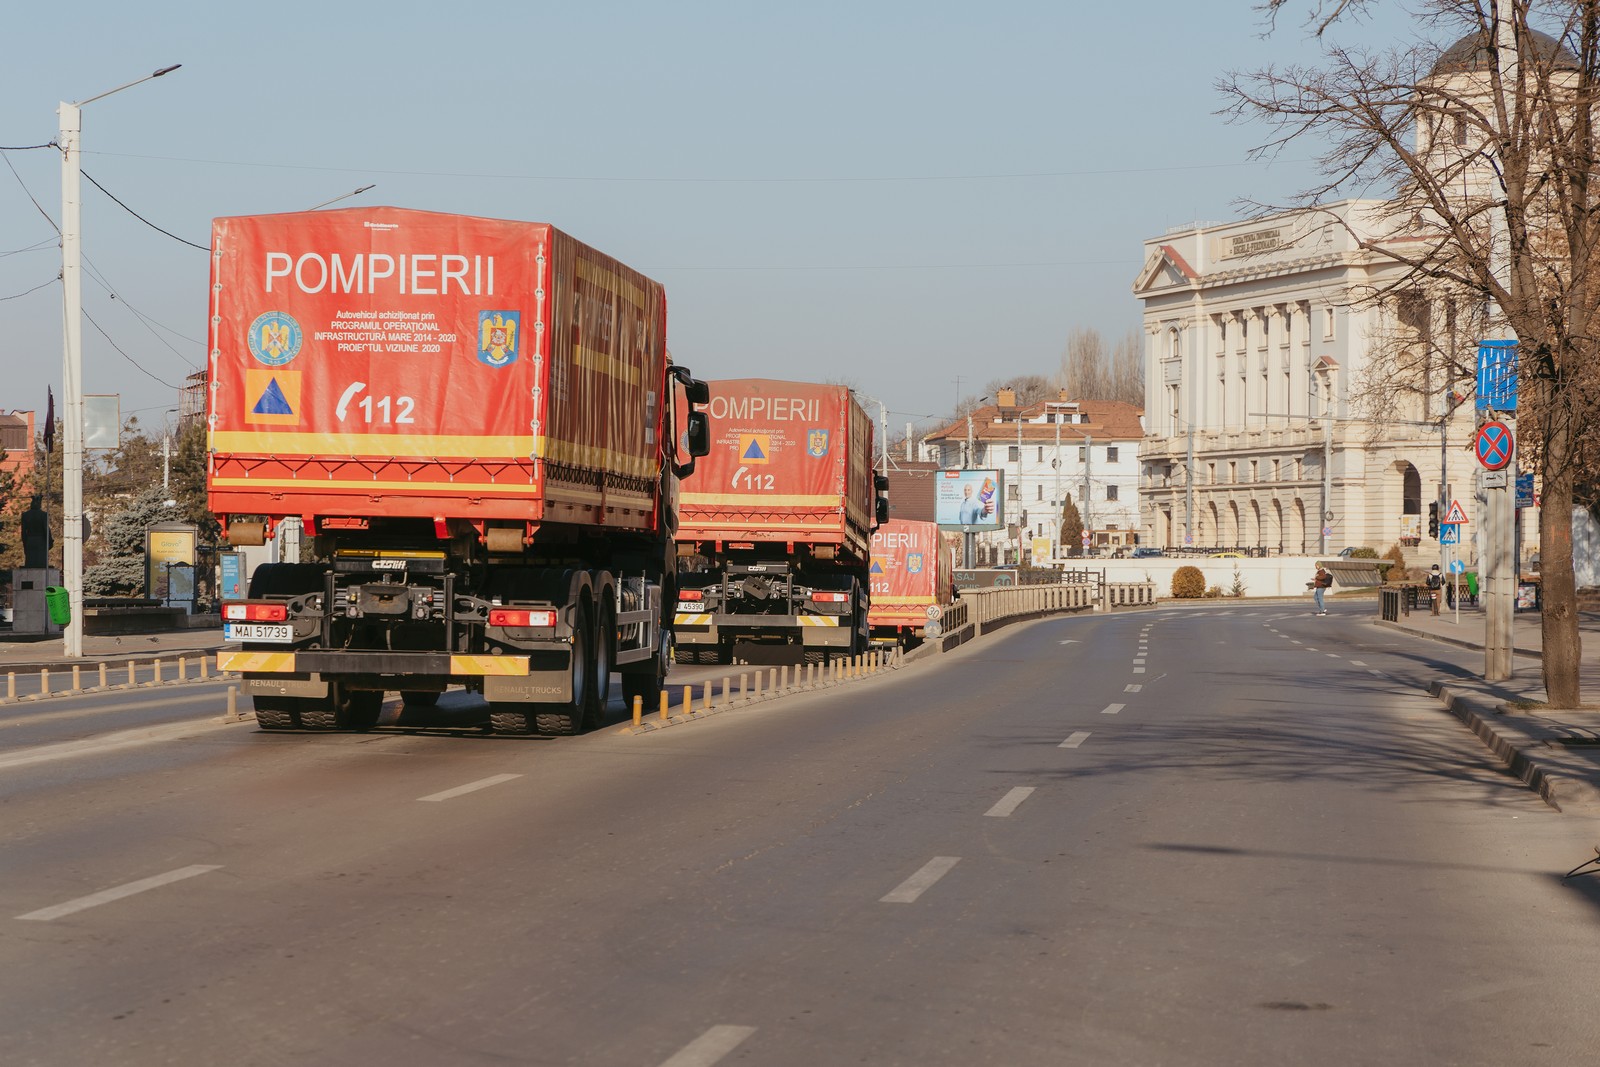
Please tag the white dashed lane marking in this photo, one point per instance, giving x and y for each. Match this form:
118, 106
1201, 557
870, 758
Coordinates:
1076, 738
1112, 709
912, 888
106, 896
1138, 670
710, 1047
470, 787
1132, 687
1010, 802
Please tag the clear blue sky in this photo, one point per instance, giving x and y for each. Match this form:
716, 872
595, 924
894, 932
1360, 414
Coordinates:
896, 195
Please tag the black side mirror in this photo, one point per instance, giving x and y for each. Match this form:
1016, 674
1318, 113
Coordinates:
883, 510
698, 433
880, 482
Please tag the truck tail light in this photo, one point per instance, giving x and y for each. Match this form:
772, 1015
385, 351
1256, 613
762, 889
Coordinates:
691, 594
518, 617
255, 612
829, 598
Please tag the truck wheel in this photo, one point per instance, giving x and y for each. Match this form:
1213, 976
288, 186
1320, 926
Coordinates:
647, 684
514, 719
594, 711
567, 719
359, 710
277, 713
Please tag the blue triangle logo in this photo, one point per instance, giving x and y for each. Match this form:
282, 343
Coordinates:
877, 568
272, 401
754, 451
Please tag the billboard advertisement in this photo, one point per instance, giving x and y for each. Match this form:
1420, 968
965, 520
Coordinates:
969, 500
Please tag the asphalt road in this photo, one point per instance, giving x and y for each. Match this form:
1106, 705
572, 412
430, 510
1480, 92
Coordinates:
1170, 837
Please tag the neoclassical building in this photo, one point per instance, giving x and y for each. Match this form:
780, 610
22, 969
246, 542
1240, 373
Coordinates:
1261, 367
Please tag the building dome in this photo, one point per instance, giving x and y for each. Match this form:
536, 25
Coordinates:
1473, 53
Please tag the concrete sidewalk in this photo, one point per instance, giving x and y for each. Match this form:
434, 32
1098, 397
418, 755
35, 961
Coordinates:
24, 655
1555, 751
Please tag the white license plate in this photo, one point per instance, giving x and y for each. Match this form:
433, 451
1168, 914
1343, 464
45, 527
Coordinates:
690, 607
281, 633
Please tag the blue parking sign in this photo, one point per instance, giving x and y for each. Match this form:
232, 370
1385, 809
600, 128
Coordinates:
1497, 376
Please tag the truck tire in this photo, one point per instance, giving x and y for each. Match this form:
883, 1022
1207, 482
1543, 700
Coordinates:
647, 684
599, 696
277, 713
342, 709
564, 720
513, 719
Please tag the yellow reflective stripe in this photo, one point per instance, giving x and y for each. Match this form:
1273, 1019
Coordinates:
500, 665
398, 445
427, 488
761, 500
819, 620
691, 619
257, 662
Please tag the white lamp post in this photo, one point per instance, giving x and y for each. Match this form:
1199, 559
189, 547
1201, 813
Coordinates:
72, 361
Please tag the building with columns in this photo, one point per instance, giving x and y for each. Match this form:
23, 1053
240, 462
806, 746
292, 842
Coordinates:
1271, 426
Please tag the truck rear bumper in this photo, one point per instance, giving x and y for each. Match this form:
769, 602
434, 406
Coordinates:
813, 631
328, 661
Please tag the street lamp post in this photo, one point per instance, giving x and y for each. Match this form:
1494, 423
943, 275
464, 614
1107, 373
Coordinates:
72, 359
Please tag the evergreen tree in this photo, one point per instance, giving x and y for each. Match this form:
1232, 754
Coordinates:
1071, 528
119, 570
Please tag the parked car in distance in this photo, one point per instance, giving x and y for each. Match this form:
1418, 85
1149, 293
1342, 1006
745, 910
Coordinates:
1227, 555
1145, 552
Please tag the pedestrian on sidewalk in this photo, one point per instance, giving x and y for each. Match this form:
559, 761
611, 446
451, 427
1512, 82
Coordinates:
1323, 580
1435, 587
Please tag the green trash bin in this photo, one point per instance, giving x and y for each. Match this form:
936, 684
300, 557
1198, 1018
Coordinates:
59, 601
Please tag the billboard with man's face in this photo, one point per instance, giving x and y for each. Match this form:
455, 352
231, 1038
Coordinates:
969, 500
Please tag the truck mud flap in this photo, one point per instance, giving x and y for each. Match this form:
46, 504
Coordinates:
541, 687
283, 685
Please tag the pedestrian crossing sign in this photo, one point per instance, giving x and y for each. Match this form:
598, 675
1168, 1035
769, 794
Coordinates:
1449, 534
1455, 514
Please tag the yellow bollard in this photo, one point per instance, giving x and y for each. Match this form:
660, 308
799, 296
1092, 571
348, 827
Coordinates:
785, 678
183, 668
772, 680
130, 674
744, 686
727, 690
233, 703
77, 677
11, 685
688, 700
155, 665
705, 700
757, 694
638, 711
102, 674
665, 697
205, 668
44, 682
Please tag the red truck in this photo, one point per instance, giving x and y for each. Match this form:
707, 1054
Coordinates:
912, 571
775, 533
473, 420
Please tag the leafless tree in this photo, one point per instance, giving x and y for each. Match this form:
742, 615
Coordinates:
1090, 371
1491, 165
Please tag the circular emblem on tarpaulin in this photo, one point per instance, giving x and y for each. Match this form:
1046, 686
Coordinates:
275, 338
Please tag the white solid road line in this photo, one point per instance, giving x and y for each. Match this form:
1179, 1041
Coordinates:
1112, 709
913, 887
1077, 738
1010, 802
106, 896
710, 1046
90, 746
470, 787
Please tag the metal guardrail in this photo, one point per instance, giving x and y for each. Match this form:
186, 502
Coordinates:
993, 605
1129, 594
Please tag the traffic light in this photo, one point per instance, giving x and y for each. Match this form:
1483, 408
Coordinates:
1433, 521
